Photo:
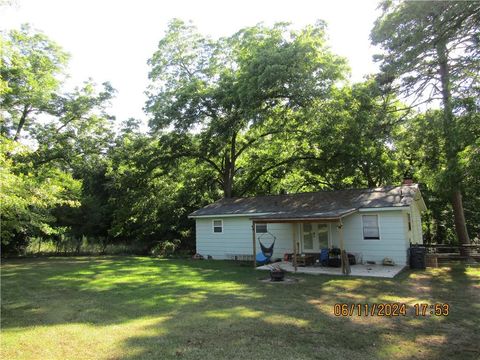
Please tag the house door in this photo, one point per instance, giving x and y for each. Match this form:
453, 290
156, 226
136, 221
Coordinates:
315, 237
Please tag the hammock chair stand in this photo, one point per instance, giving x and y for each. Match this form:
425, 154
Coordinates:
266, 253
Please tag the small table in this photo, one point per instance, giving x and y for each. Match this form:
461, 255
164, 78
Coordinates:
305, 260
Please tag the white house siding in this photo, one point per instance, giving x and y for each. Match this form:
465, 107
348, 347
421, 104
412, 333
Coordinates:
393, 238
284, 241
236, 238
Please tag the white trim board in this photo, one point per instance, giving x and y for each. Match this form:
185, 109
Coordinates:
392, 208
252, 215
213, 226
225, 215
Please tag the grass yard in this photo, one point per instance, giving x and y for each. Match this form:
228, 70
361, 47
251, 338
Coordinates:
144, 308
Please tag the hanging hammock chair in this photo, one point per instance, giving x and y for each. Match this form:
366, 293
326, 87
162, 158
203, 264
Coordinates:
267, 251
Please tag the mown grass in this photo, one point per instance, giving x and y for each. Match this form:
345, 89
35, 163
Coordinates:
144, 308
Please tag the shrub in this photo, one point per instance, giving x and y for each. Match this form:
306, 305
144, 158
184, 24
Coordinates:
165, 248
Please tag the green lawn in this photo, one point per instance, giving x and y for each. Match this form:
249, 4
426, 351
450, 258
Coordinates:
144, 308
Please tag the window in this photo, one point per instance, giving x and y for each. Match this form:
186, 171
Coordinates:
261, 228
409, 218
217, 226
322, 236
370, 227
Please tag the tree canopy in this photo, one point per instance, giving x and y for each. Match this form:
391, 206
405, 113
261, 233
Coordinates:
49, 137
236, 91
433, 46
267, 110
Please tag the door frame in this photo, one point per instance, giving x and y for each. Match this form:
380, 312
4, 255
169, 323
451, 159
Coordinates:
329, 236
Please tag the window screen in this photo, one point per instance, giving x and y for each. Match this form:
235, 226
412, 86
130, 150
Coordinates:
370, 227
217, 226
260, 228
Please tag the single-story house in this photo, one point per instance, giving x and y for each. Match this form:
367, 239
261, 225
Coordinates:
372, 224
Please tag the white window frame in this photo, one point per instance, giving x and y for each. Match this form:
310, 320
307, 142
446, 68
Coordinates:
329, 240
261, 232
409, 222
213, 226
316, 239
378, 227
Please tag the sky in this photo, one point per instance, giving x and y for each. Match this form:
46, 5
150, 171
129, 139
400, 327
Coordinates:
112, 40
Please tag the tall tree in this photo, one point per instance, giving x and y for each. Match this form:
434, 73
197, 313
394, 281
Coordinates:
352, 135
417, 143
79, 130
27, 196
65, 136
343, 142
33, 66
222, 89
35, 106
150, 201
433, 46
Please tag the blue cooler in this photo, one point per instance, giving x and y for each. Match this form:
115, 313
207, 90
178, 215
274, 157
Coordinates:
324, 256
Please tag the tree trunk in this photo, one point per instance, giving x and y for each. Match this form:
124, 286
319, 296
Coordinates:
365, 168
21, 123
227, 187
227, 179
104, 245
460, 225
229, 167
451, 149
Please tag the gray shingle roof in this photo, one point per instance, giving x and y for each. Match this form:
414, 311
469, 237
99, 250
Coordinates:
321, 204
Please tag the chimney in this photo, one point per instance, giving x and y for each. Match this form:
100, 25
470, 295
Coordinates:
407, 181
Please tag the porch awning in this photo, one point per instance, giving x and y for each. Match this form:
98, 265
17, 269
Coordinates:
303, 217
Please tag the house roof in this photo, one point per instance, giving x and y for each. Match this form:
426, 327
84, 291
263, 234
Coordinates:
331, 204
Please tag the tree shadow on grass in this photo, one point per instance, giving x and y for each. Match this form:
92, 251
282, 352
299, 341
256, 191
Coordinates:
298, 323
416, 337
105, 291
212, 310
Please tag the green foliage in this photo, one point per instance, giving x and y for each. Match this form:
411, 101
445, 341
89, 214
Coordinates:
418, 144
63, 126
340, 142
433, 46
264, 111
67, 136
228, 89
165, 248
28, 195
151, 197
352, 137
410, 33
32, 66
432, 49
80, 132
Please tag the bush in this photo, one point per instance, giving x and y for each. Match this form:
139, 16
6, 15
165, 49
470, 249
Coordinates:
165, 248
68, 246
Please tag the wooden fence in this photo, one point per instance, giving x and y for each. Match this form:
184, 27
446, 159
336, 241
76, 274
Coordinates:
454, 252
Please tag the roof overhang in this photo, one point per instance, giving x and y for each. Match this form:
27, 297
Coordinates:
389, 208
225, 215
294, 220
286, 218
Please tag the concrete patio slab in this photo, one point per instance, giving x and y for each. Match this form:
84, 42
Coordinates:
357, 270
